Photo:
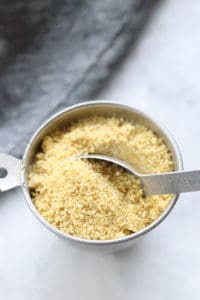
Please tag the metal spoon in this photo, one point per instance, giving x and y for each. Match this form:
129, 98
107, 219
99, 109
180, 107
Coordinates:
157, 184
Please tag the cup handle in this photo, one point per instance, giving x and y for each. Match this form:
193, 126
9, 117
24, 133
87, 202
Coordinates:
10, 169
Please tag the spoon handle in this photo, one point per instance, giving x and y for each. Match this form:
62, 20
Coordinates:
171, 183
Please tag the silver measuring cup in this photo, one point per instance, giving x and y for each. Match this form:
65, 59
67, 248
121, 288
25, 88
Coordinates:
16, 171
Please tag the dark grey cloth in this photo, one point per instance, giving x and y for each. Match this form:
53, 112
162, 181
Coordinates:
55, 53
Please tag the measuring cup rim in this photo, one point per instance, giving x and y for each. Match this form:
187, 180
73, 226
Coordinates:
132, 236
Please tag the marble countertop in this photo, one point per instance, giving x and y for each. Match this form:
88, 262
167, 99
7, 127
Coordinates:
160, 76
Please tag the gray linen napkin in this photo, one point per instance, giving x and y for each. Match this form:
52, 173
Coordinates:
55, 53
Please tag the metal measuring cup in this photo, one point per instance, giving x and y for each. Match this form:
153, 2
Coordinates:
17, 170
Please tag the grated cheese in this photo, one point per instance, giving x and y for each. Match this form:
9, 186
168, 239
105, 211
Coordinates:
94, 199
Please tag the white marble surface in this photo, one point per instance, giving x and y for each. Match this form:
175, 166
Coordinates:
160, 76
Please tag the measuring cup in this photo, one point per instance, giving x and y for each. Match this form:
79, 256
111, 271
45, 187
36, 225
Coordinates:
16, 171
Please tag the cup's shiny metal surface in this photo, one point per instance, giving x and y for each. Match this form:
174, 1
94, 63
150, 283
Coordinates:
68, 115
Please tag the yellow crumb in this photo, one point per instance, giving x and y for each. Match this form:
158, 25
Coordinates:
94, 199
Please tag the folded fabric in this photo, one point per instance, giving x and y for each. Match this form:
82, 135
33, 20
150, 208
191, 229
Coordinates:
55, 53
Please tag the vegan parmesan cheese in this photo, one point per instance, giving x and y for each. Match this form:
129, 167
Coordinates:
97, 200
